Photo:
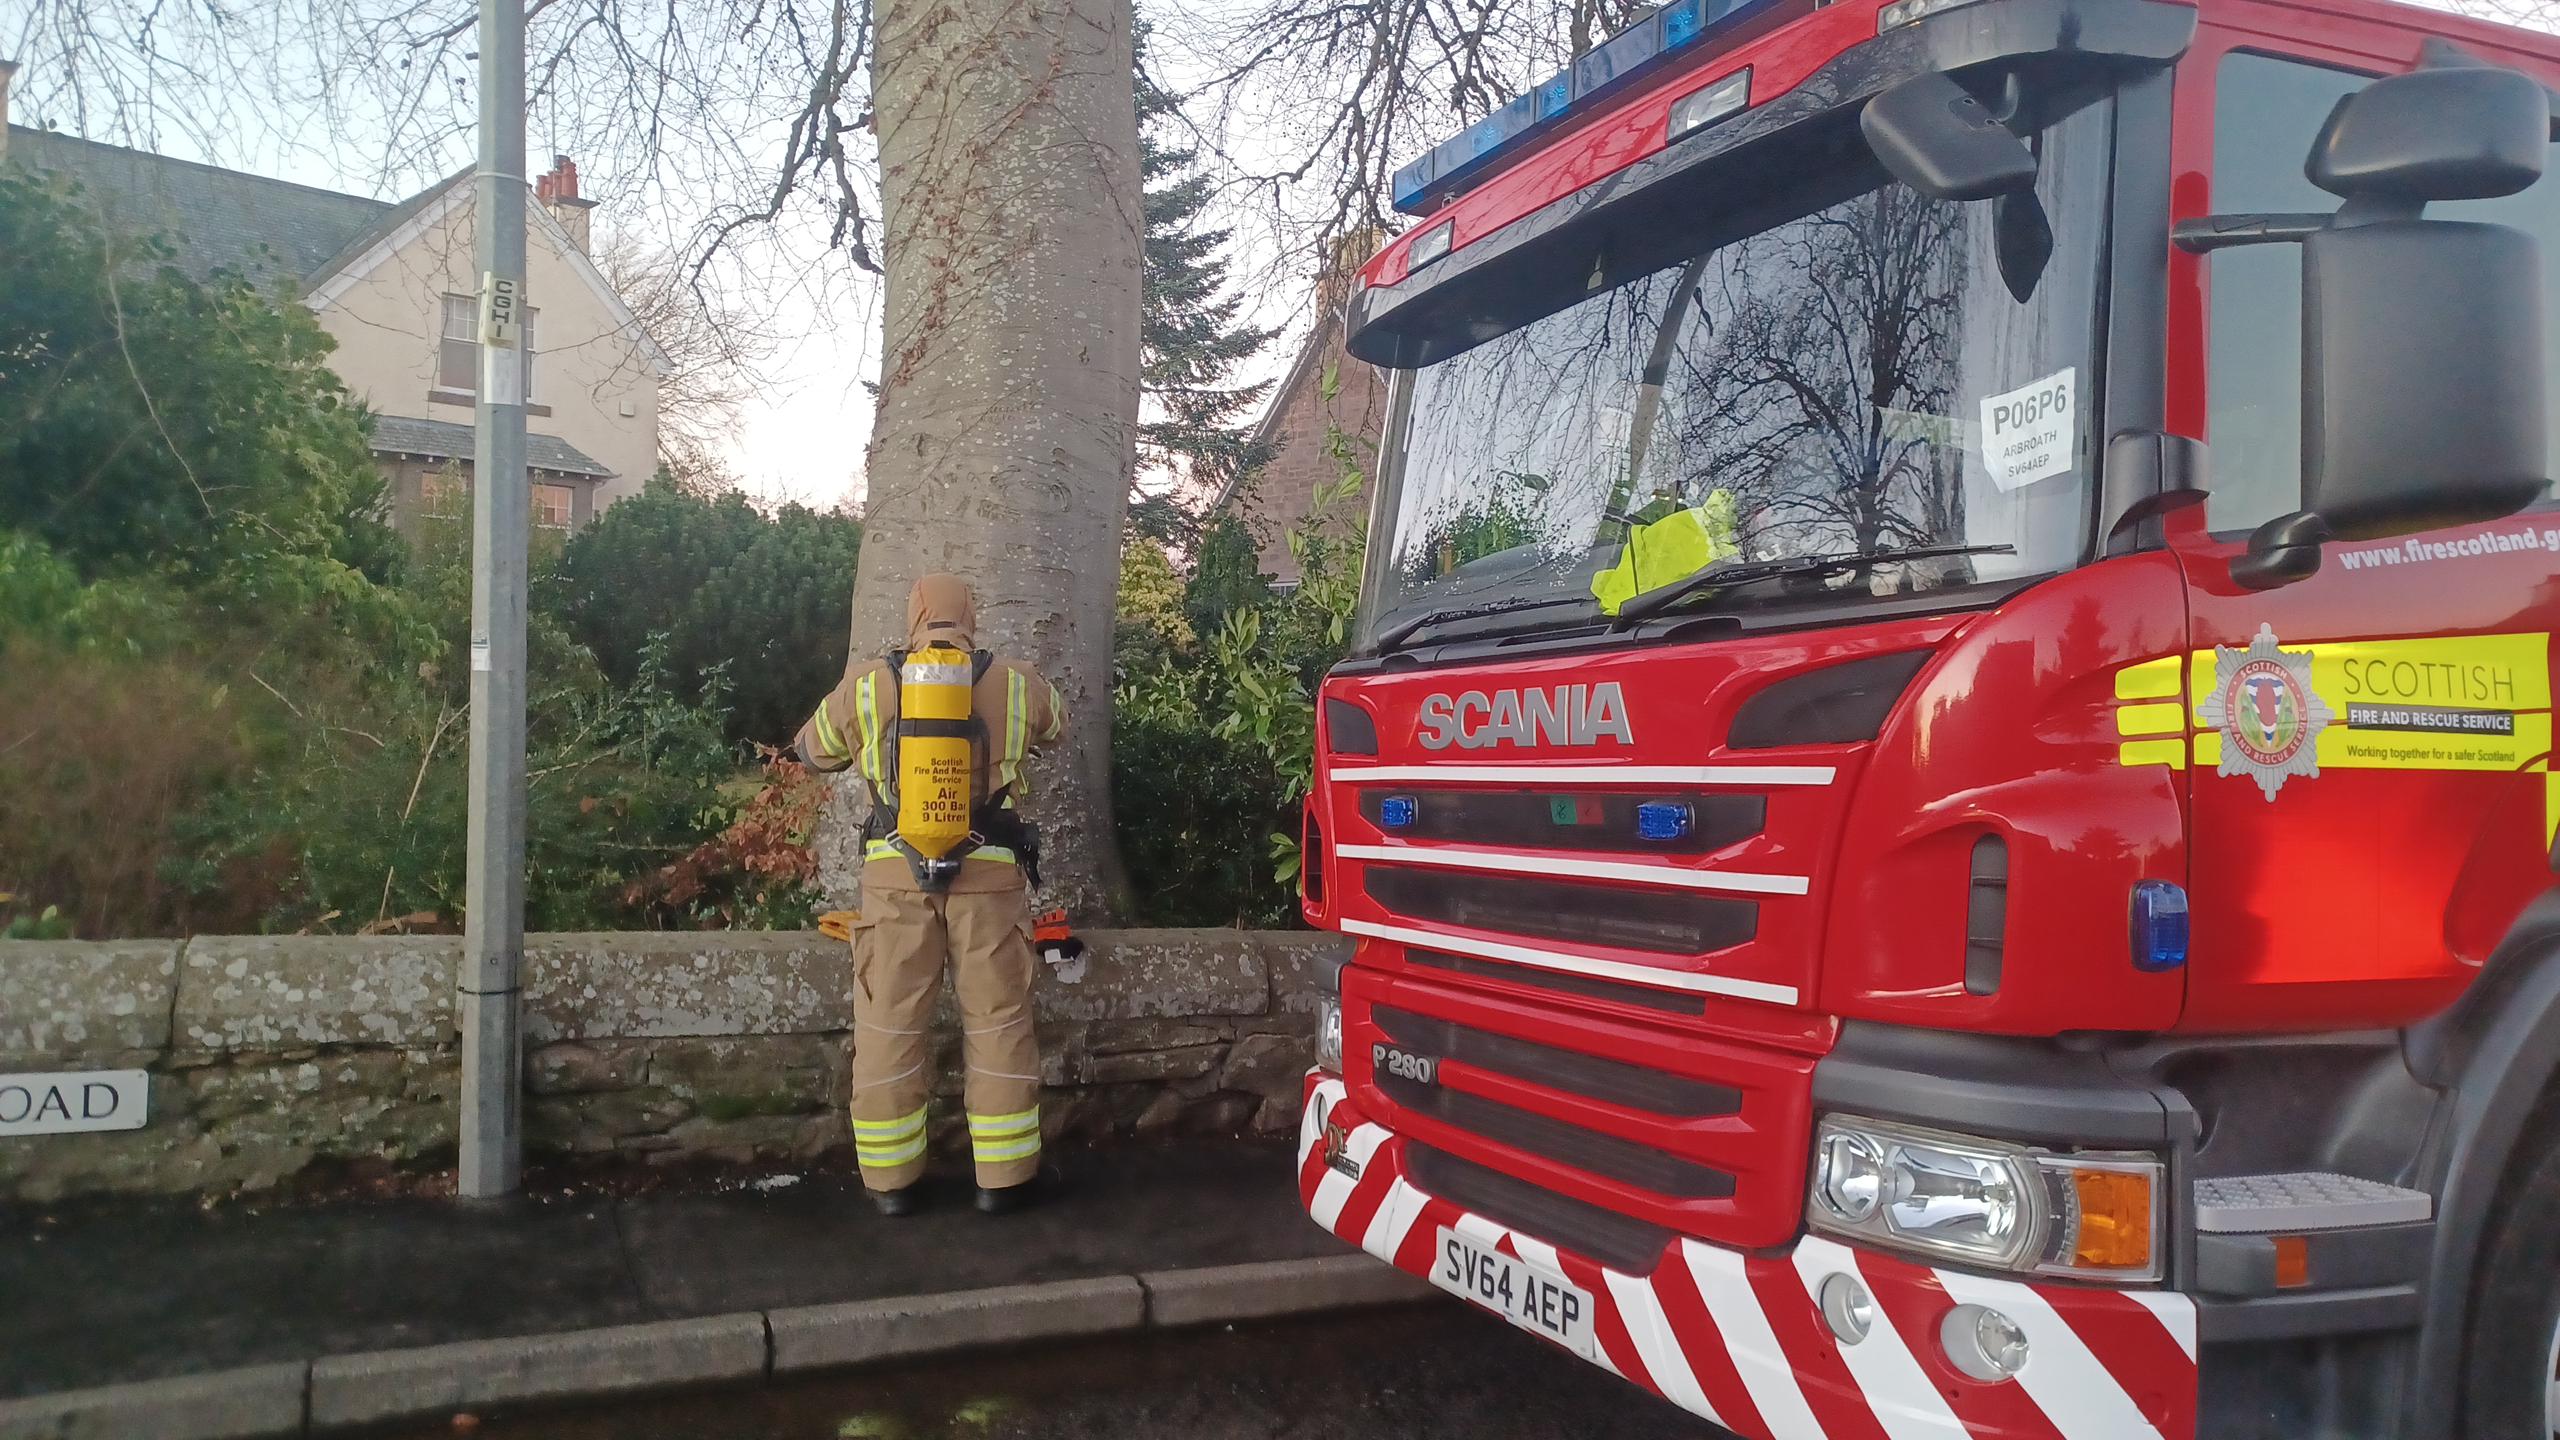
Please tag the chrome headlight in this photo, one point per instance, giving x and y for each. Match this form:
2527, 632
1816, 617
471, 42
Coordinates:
1329, 1036
1987, 1202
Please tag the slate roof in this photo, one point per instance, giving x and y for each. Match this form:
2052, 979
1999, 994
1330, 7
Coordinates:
269, 230
444, 440
391, 218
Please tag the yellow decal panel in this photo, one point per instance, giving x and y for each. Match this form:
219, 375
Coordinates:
2172, 753
2478, 672
2465, 702
2164, 718
2457, 702
2150, 680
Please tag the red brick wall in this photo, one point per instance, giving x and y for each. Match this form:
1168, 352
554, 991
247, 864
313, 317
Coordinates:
1274, 498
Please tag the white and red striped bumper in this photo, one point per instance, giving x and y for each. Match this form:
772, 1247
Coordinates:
1740, 1340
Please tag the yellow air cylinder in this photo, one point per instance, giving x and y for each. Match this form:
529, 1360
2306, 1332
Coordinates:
934, 749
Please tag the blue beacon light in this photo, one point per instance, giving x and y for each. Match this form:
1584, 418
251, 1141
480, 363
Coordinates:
2160, 930
1396, 812
1663, 820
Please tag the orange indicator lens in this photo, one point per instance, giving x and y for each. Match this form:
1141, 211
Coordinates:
2293, 1262
2115, 1219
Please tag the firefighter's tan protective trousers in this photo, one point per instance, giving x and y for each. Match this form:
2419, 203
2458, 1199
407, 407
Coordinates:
899, 946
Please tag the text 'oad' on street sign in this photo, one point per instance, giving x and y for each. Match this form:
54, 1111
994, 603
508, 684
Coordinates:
71, 1101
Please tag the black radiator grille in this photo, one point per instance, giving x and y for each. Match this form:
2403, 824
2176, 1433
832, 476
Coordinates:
1665, 922
1591, 1076
1561, 1141
1624, 1244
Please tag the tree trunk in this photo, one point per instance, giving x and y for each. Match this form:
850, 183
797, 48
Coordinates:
1007, 424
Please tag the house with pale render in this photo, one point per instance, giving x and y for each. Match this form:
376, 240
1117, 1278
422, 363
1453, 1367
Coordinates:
394, 284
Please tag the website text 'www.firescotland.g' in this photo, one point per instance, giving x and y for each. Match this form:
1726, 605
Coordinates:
2414, 551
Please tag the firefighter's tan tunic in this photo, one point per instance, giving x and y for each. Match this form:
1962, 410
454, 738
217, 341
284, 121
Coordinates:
981, 925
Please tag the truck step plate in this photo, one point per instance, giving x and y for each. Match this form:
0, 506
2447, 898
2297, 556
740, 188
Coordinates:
2300, 1200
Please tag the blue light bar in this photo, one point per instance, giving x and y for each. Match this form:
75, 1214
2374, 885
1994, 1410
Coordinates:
1396, 812
1457, 163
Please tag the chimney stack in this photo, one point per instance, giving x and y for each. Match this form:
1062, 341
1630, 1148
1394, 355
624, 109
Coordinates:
8, 71
558, 192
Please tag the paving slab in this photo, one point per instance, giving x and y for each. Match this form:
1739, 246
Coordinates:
130, 1290
1125, 1210
112, 1292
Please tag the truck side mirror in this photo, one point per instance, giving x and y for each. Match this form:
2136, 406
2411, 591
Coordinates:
2466, 134
1935, 136
2422, 340
2422, 394
1940, 139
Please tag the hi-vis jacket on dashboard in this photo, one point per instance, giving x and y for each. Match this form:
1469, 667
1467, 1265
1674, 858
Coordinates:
981, 922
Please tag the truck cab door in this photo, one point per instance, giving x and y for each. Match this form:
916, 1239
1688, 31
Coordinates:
2371, 797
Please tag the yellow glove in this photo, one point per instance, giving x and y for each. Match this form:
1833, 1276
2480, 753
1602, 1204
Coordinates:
838, 924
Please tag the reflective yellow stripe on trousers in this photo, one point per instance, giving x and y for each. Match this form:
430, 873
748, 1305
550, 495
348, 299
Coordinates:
886, 1143
1005, 1137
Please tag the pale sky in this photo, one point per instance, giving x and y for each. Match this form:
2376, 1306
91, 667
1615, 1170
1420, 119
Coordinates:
799, 435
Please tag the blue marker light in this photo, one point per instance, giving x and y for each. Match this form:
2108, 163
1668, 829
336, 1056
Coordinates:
1663, 820
1396, 811
1682, 22
1413, 180
1556, 95
2159, 926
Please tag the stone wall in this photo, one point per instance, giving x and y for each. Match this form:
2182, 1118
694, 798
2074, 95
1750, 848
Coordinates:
269, 1055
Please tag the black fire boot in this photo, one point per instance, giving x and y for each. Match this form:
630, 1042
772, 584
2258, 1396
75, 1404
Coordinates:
1040, 1189
895, 1203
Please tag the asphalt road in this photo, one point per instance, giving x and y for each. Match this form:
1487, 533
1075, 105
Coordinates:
1434, 1372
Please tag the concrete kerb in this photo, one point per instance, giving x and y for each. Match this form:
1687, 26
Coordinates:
247, 1404
825, 1337
1271, 1289
356, 1390
340, 1392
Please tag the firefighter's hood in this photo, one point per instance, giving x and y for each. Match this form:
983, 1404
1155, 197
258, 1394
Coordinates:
941, 607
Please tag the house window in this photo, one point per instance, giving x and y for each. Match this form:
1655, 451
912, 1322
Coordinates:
458, 354
444, 494
552, 506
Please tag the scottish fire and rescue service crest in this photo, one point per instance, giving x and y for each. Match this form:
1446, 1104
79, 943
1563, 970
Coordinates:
2269, 715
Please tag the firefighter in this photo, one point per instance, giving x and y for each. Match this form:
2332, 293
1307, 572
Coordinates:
939, 731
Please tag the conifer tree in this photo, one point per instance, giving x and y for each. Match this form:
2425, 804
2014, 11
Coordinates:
1191, 338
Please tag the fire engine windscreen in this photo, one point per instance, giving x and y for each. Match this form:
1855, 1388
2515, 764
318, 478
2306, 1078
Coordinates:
1854, 380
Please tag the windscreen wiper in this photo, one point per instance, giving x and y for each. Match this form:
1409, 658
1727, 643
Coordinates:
1722, 577
1404, 630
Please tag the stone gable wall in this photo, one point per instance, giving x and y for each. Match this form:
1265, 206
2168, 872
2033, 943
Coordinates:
269, 1055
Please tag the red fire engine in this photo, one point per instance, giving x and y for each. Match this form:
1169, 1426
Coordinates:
1892, 896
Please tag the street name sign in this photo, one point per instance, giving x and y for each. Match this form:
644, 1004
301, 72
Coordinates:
69, 1101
